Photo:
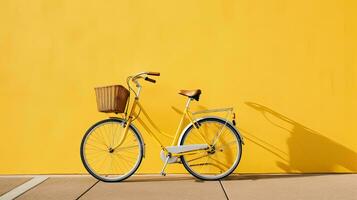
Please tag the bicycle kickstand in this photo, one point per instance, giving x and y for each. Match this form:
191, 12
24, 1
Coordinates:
164, 167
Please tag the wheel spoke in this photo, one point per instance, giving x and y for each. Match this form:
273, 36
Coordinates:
127, 147
93, 145
227, 144
194, 159
219, 135
221, 163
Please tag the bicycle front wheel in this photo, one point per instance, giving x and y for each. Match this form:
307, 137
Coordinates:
101, 155
225, 153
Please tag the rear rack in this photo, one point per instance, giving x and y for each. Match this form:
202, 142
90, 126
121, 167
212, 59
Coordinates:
229, 110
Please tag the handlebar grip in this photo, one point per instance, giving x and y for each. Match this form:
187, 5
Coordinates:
154, 73
150, 80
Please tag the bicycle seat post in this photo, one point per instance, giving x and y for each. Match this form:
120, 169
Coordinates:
188, 103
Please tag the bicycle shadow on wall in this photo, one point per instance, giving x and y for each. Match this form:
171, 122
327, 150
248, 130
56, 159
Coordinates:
308, 150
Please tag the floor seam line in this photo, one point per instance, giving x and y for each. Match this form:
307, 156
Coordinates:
87, 190
225, 193
31, 188
23, 188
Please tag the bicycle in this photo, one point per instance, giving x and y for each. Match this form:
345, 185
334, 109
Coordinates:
209, 147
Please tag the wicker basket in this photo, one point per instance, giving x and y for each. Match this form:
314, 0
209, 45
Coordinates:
111, 99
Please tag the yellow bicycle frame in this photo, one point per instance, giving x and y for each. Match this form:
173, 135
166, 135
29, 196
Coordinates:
186, 115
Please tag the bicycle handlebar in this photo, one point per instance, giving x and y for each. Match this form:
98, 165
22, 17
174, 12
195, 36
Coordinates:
140, 75
150, 80
153, 73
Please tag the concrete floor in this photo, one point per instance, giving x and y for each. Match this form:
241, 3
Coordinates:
306, 187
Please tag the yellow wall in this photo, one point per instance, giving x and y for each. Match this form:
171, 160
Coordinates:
288, 67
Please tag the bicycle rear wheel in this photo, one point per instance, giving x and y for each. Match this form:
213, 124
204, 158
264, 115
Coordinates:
101, 156
226, 151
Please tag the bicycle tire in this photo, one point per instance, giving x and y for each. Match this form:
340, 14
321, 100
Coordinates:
88, 166
236, 135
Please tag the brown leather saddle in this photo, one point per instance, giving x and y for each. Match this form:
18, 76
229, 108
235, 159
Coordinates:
193, 94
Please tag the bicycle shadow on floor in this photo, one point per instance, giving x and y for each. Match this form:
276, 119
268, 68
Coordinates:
308, 150
269, 176
157, 178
